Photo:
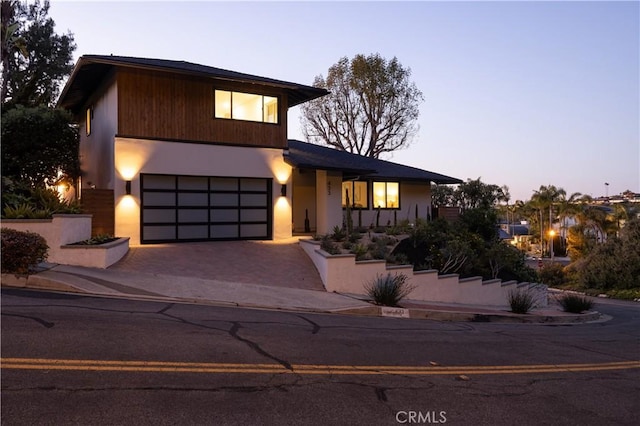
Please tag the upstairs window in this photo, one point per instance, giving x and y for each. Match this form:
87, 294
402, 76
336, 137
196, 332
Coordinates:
89, 116
357, 194
246, 106
386, 195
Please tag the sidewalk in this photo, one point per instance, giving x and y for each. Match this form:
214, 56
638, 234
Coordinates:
162, 287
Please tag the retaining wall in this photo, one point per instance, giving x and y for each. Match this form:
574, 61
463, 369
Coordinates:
342, 274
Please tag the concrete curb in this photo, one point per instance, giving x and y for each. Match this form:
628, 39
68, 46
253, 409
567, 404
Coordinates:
35, 282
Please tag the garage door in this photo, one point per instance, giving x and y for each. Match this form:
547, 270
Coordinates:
197, 208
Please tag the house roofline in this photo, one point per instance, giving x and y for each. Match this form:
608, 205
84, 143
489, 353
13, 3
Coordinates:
297, 93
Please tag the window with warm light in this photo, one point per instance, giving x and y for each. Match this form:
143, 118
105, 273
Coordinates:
386, 195
245, 106
88, 121
357, 194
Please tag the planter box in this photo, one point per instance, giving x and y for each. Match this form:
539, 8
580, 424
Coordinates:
96, 256
65, 229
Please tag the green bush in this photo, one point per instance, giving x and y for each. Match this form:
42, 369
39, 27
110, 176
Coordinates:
22, 201
388, 290
521, 301
22, 251
552, 274
329, 246
360, 251
614, 264
575, 303
378, 248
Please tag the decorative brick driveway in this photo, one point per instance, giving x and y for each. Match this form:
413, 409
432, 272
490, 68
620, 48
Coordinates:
280, 264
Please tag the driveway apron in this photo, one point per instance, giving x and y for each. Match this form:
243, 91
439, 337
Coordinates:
279, 264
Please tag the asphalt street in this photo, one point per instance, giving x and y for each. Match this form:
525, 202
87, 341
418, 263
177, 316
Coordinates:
69, 359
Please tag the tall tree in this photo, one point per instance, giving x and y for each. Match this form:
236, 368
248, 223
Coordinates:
544, 200
372, 107
35, 59
39, 146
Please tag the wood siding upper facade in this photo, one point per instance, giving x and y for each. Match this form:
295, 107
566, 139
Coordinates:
178, 107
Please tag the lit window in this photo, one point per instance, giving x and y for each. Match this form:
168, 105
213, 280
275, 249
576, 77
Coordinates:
246, 106
357, 192
386, 195
88, 121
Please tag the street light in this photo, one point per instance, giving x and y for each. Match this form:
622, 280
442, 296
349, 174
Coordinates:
552, 234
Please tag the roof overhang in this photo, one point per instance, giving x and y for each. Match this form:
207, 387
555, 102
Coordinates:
90, 71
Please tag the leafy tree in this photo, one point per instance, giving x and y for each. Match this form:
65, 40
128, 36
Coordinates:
372, 107
442, 195
34, 58
615, 264
580, 242
474, 194
39, 145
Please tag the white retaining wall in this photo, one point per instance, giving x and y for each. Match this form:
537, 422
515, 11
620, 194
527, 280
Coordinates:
342, 274
65, 229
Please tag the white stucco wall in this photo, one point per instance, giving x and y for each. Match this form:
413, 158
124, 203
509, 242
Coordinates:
328, 201
135, 156
62, 229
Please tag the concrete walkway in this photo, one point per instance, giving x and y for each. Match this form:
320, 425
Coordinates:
249, 274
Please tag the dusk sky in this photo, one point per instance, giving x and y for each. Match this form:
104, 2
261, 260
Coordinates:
521, 94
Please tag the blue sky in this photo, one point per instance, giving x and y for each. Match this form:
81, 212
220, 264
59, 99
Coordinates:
521, 94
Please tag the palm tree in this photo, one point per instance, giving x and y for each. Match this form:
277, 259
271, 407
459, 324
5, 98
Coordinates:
544, 199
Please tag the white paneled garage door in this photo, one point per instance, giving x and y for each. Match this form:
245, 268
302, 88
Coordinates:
199, 208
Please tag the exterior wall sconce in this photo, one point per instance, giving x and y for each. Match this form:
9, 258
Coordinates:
283, 190
127, 187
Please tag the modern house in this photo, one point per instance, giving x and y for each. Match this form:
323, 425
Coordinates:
175, 151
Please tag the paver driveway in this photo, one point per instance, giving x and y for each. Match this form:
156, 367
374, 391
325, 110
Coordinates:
281, 264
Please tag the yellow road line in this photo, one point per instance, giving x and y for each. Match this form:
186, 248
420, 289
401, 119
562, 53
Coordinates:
228, 368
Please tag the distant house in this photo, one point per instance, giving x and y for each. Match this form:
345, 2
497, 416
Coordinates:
517, 235
174, 151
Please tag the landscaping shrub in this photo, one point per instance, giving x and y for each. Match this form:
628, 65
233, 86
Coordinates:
389, 289
521, 301
360, 251
378, 248
339, 234
552, 274
97, 240
575, 303
21, 201
21, 251
329, 246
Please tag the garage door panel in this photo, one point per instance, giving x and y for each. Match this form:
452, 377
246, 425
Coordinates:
223, 200
159, 233
196, 208
224, 231
253, 215
192, 232
159, 216
252, 184
253, 200
224, 215
252, 230
159, 182
196, 200
193, 215
223, 184
159, 199
193, 183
